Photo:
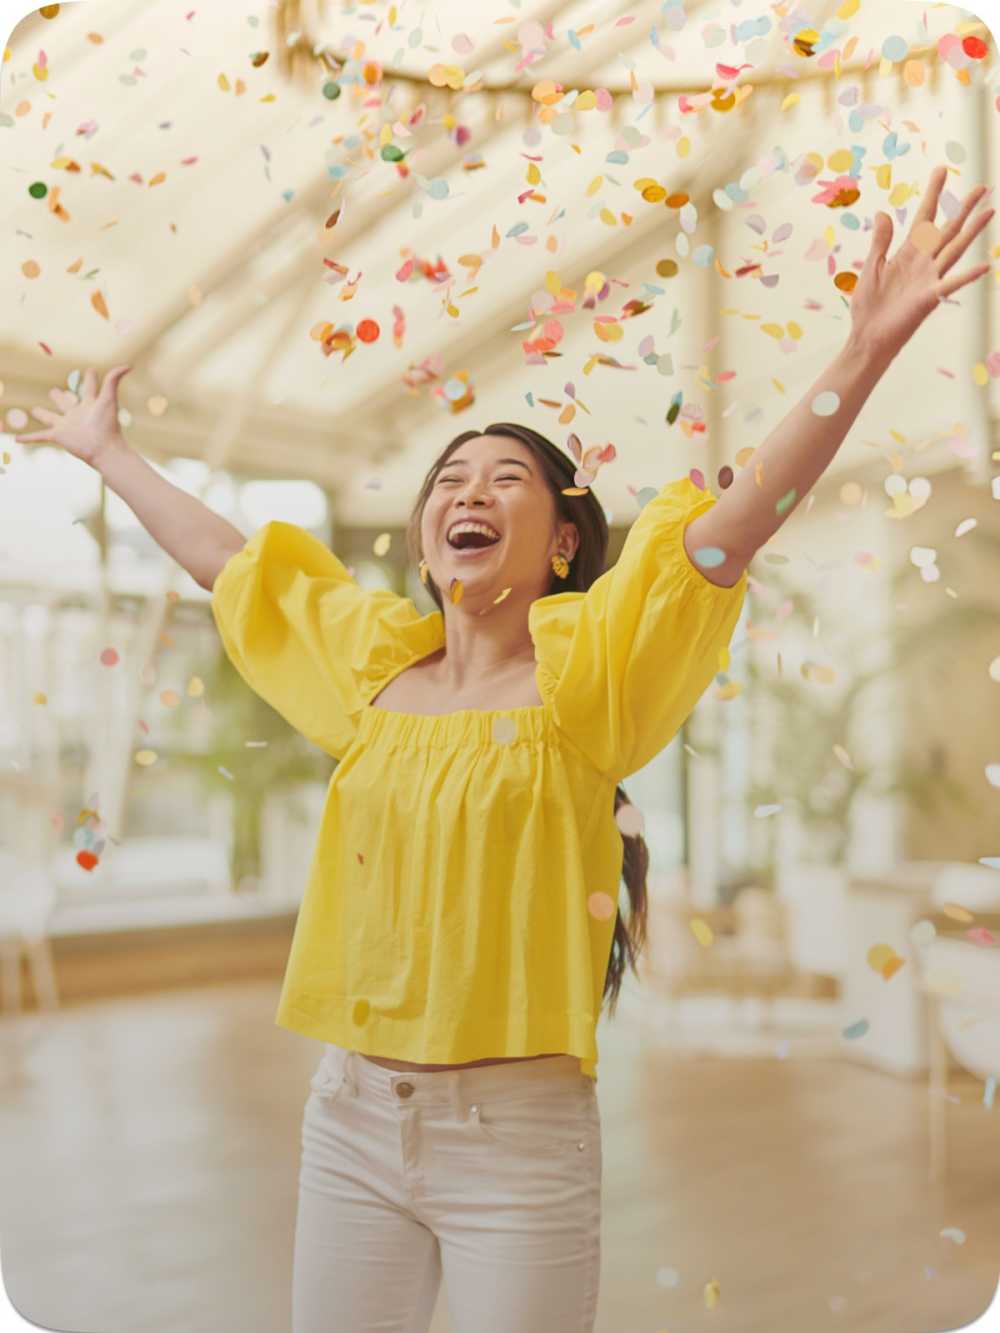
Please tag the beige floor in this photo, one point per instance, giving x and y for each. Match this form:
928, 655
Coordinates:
148, 1159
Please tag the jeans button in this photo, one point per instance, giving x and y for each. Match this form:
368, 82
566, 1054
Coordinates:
404, 1089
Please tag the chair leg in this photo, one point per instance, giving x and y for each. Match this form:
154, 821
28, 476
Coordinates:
43, 975
937, 1089
10, 975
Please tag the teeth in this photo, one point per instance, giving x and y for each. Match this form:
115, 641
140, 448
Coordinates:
472, 527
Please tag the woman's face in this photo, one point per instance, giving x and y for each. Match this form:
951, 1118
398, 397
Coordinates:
495, 480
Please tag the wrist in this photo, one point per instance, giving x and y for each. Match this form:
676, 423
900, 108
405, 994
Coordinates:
113, 446
866, 354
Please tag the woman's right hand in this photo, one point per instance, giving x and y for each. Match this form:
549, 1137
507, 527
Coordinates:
86, 426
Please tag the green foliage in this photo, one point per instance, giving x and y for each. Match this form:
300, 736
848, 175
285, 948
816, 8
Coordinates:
810, 719
239, 715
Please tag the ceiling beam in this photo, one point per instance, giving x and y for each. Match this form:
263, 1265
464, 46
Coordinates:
436, 158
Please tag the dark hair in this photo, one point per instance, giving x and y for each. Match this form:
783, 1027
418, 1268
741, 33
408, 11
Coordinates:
586, 566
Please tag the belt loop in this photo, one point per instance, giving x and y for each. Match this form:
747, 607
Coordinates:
349, 1078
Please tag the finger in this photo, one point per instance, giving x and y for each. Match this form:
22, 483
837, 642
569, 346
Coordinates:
949, 232
89, 387
929, 203
952, 253
945, 289
39, 437
43, 414
113, 378
62, 397
881, 240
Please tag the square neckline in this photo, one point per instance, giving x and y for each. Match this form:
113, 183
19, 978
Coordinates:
373, 707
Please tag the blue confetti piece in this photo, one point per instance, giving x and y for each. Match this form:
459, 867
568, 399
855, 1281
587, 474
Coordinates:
618, 156
574, 40
990, 1089
856, 1030
530, 398
710, 556
517, 229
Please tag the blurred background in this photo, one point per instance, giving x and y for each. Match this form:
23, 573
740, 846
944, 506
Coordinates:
637, 221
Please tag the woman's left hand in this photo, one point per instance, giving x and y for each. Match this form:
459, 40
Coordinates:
891, 300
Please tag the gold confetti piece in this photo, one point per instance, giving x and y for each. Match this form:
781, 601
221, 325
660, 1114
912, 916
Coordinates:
195, 687
820, 674
382, 543
40, 698
608, 332
455, 590
98, 302
882, 955
713, 1292
957, 913
145, 757
702, 931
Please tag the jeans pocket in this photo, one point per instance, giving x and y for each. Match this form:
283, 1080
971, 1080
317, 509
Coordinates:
328, 1083
551, 1125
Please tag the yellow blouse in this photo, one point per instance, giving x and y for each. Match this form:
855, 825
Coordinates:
461, 899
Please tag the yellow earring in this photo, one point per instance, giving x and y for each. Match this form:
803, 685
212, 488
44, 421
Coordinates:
560, 565
423, 572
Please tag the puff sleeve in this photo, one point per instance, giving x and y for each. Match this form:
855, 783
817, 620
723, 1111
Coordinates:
304, 635
627, 660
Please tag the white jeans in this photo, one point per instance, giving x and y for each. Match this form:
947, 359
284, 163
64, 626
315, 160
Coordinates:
488, 1177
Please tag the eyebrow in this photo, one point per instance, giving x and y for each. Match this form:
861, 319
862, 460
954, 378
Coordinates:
464, 462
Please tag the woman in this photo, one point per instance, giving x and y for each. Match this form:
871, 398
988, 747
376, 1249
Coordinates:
459, 929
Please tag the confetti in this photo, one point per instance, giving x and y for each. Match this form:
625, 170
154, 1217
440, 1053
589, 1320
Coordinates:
882, 958
826, 404
702, 931
601, 906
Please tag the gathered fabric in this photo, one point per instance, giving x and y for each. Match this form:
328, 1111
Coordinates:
460, 904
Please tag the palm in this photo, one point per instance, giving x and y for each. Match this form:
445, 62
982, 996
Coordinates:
82, 426
892, 299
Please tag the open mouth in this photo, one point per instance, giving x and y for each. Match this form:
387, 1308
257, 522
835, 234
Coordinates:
471, 543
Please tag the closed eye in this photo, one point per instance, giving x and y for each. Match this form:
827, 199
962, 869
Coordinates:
505, 477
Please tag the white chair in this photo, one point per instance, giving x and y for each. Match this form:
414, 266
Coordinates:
27, 897
961, 981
